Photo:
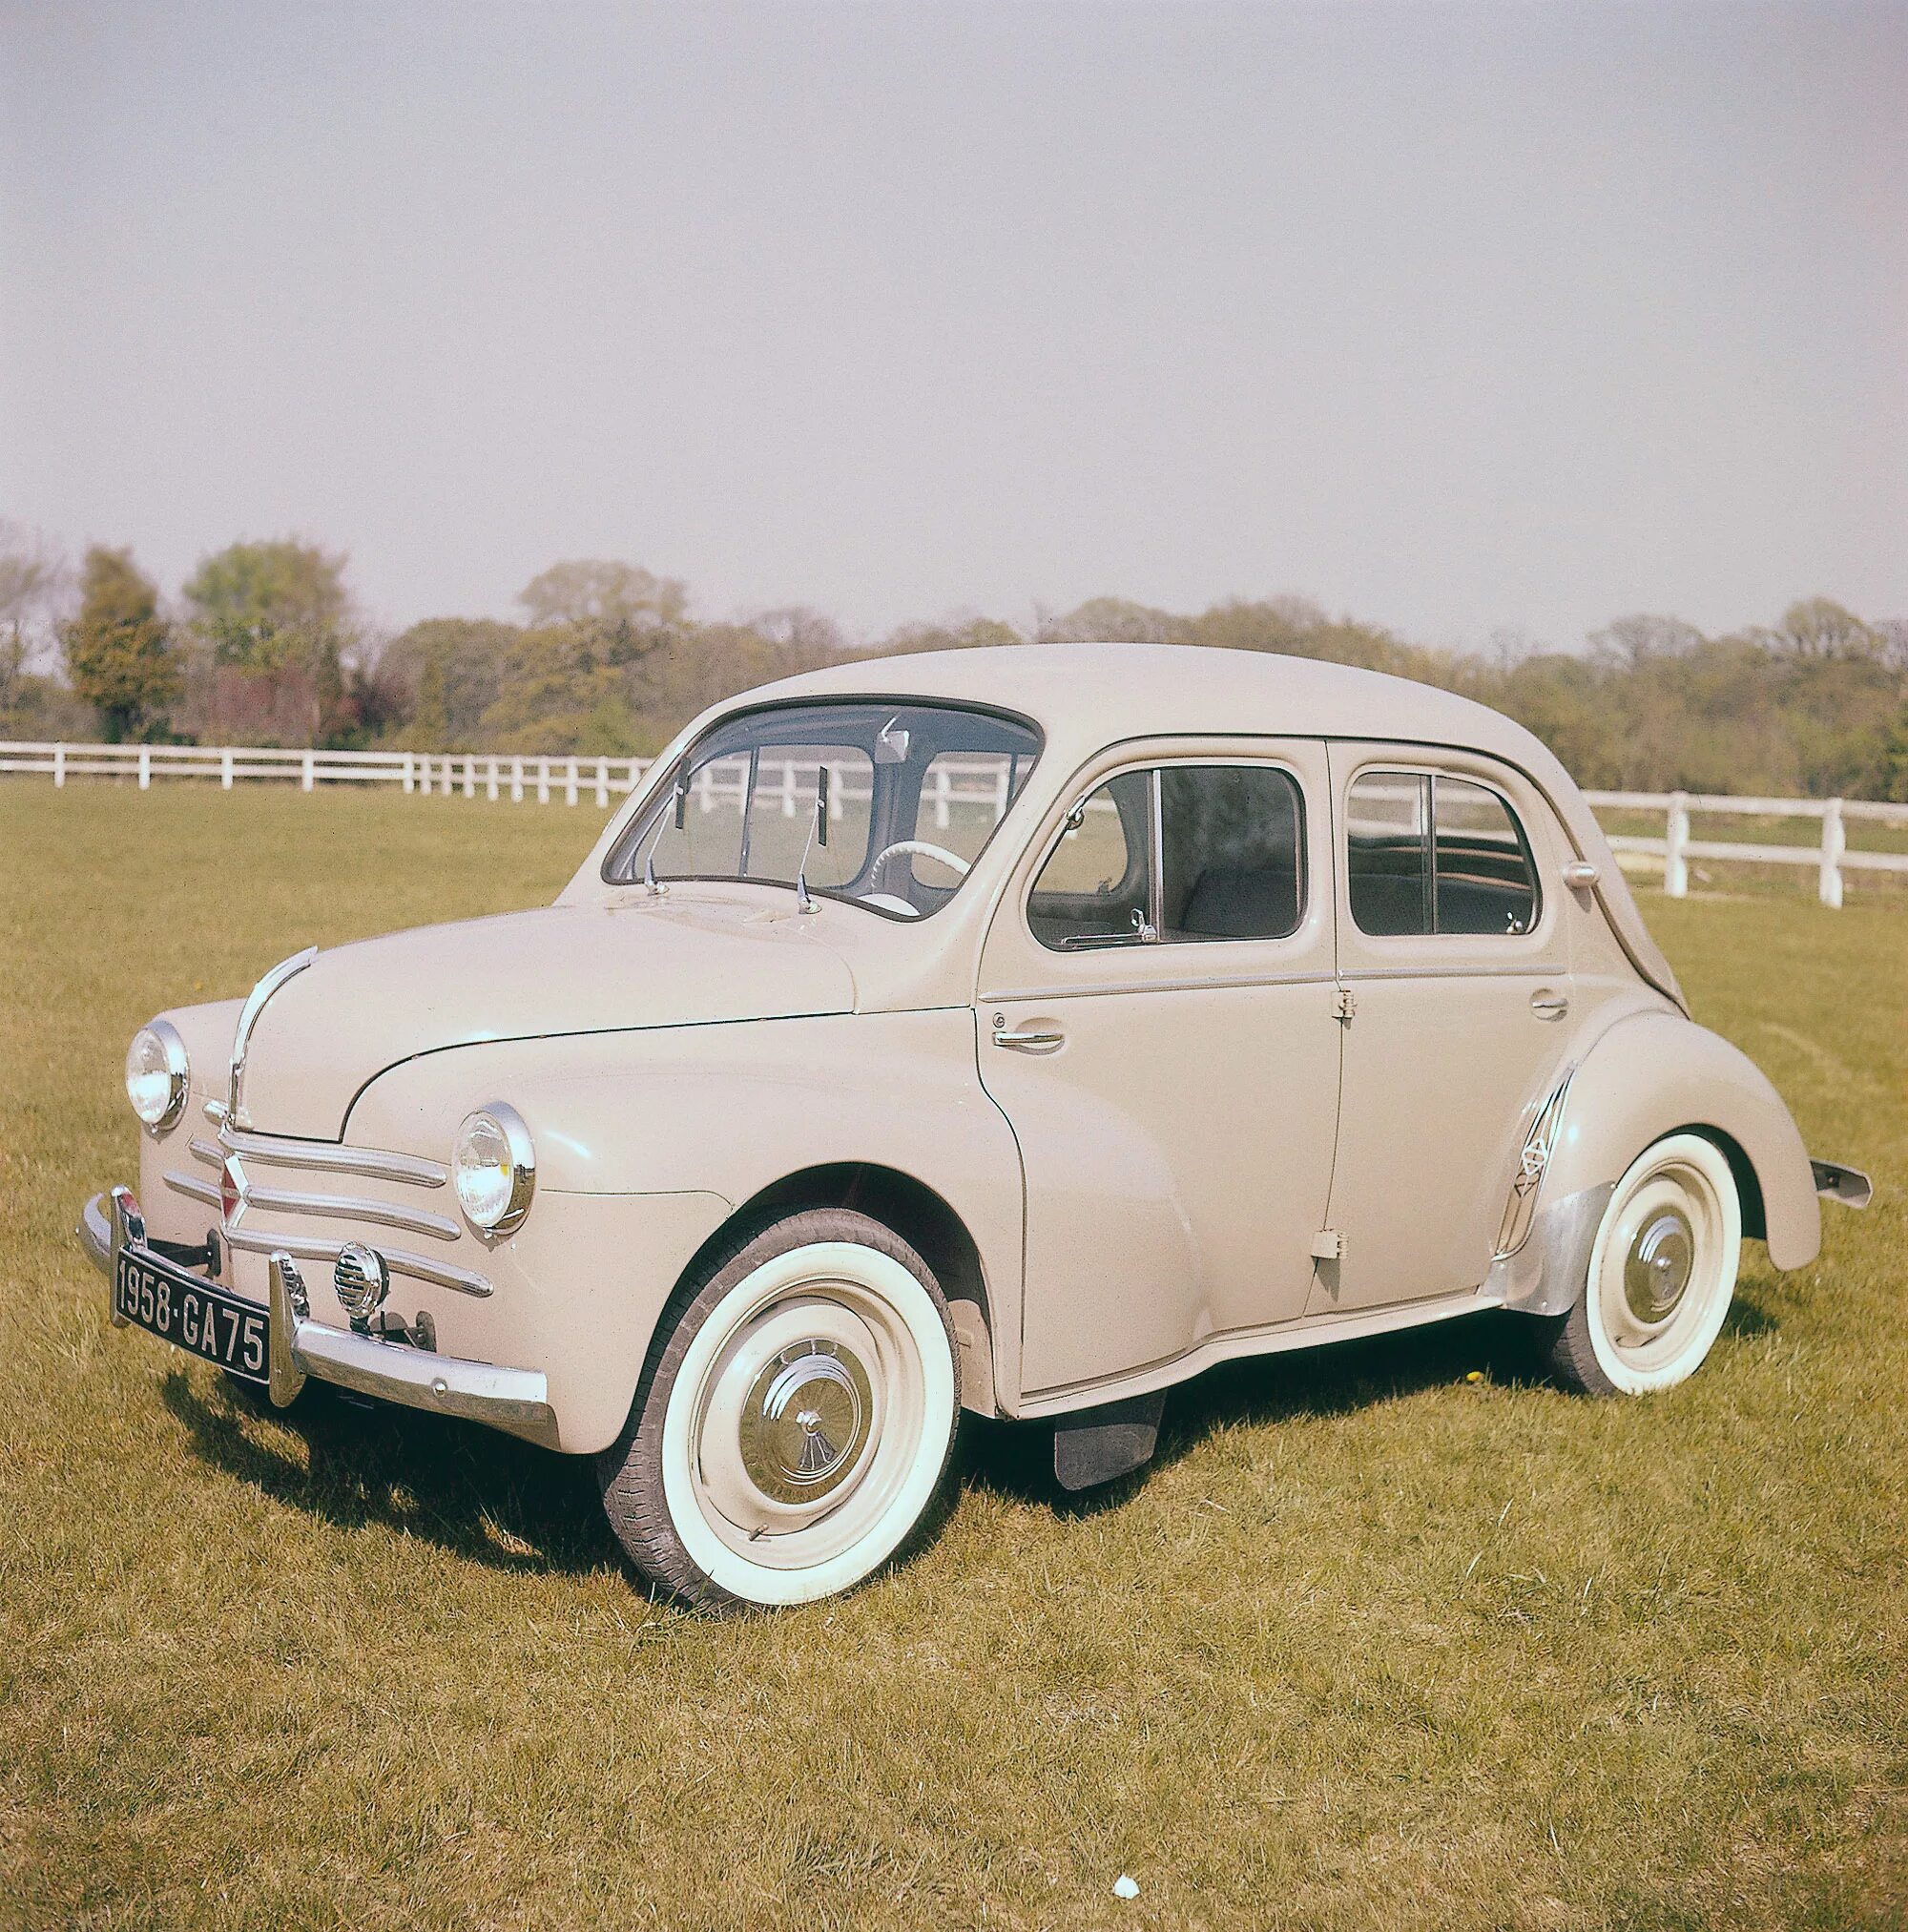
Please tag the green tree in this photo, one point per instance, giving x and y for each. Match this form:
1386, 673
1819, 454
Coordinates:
594, 591
276, 619
260, 605
118, 648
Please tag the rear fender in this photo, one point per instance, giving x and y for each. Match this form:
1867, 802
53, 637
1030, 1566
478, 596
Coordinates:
1651, 1074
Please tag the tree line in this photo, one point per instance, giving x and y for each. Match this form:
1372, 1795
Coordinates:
264, 644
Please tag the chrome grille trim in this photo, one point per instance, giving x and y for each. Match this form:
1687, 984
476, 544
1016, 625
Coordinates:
270, 1150
338, 1206
190, 1184
345, 1207
255, 1241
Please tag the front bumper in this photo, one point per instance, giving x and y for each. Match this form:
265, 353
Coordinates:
513, 1399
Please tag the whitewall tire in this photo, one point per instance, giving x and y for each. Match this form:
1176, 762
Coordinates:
1661, 1273
794, 1426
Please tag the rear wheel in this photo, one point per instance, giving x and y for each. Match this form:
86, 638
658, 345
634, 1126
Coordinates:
794, 1429
1662, 1274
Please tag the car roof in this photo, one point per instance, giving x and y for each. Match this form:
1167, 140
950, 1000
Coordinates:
1107, 691
1086, 696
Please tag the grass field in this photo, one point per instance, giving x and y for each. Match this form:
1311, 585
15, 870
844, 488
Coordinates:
1388, 1636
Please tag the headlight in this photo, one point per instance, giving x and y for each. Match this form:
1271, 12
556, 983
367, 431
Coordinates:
156, 1074
493, 1166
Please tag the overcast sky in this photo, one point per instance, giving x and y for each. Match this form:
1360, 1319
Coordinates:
1460, 320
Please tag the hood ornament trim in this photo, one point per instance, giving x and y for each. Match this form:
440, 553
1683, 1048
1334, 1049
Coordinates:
248, 1019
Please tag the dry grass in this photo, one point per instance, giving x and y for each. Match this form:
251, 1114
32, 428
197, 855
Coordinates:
1374, 1643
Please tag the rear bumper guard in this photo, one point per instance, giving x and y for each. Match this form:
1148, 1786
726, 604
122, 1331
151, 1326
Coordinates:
1848, 1185
514, 1399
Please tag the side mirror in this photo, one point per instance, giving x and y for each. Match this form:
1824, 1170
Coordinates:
821, 807
681, 795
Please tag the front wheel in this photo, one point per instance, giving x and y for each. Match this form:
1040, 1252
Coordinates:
794, 1429
1661, 1273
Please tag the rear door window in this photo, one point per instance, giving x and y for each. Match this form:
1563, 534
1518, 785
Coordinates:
1427, 853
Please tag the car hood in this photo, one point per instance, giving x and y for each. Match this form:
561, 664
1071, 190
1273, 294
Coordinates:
359, 1010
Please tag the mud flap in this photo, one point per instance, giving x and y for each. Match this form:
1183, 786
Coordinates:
1099, 1446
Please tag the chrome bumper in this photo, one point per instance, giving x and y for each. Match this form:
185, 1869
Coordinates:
514, 1399
1848, 1185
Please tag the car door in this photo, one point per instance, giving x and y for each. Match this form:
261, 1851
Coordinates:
1155, 1021
1453, 961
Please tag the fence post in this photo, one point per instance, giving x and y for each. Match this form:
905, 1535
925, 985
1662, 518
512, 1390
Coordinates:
59, 766
307, 779
570, 784
602, 781
543, 781
517, 781
443, 776
225, 769
410, 773
943, 788
705, 788
788, 788
490, 786
145, 767
1676, 863
470, 777
1835, 843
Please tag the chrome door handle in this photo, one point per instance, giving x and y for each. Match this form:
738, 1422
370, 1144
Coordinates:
1550, 1004
1028, 1039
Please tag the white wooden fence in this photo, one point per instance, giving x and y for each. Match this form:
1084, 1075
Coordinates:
521, 777
1831, 857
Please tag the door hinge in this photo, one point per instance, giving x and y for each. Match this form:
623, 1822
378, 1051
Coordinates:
1347, 1006
1328, 1244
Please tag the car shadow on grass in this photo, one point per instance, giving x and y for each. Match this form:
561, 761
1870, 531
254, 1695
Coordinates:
495, 1500
1015, 1460
471, 1490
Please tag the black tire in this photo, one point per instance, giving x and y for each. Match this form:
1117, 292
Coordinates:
633, 1472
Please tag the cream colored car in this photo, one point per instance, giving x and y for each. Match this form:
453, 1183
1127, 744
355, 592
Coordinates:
1021, 1031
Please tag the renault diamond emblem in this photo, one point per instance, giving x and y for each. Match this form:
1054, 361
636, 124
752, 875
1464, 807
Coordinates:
232, 1191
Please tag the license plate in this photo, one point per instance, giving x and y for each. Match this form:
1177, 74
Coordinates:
193, 1315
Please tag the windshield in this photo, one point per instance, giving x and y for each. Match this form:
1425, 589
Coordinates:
885, 804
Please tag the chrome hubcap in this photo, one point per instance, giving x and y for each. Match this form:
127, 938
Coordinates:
1657, 1269
805, 1423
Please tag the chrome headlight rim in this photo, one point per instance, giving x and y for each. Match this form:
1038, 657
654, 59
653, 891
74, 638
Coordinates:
520, 1169
178, 1074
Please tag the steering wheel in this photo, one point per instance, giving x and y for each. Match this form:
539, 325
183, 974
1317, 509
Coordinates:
958, 865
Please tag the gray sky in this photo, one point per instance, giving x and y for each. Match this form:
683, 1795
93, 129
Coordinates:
1457, 319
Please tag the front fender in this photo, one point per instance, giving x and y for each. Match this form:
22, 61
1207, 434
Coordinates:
729, 1110
1651, 1074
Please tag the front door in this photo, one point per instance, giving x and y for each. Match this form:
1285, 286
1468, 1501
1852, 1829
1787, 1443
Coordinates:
1454, 957
1155, 1021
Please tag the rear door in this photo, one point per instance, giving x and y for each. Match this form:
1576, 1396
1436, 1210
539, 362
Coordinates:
1453, 961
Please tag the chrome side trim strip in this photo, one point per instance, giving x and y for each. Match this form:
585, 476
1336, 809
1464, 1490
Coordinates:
255, 1241
1539, 1144
343, 1208
271, 1150
189, 1184
1206, 983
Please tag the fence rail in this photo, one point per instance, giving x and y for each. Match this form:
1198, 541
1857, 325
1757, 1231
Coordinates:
1831, 857
520, 777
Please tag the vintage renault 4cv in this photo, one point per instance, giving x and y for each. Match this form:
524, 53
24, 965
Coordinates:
1015, 1030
